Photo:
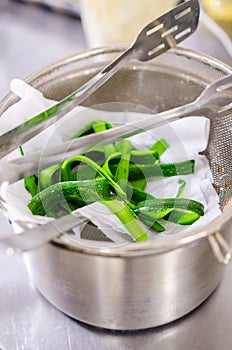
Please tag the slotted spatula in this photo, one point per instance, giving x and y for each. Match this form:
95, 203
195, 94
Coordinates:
157, 37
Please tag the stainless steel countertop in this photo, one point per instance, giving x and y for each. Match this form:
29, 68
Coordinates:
30, 38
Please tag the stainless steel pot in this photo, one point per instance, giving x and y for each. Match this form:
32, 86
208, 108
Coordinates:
145, 284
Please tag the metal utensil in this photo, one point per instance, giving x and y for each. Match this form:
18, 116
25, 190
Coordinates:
157, 37
35, 237
214, 98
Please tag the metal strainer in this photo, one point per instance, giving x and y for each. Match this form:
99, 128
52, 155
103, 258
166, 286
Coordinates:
144, 284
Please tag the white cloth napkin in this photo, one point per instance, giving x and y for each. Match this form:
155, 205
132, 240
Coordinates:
186, 138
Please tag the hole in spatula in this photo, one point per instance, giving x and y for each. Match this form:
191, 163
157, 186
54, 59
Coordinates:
154, 29
183, 33
156, 49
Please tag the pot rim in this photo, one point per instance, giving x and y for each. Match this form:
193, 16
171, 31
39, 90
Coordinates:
144, 248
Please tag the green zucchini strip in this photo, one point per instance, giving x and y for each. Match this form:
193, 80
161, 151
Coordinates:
31, 184
159, 147
49, 176
122, 172
73, 194
128, 219
67, 173
96, 126
147, 170
182, 211
99, 126
180, 192
92, 127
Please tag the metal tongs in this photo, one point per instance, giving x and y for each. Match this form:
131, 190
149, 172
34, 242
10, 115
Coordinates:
157, 37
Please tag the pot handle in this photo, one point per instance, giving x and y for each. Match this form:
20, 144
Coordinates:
220, 247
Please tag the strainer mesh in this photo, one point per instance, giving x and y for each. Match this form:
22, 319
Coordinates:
219, 153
